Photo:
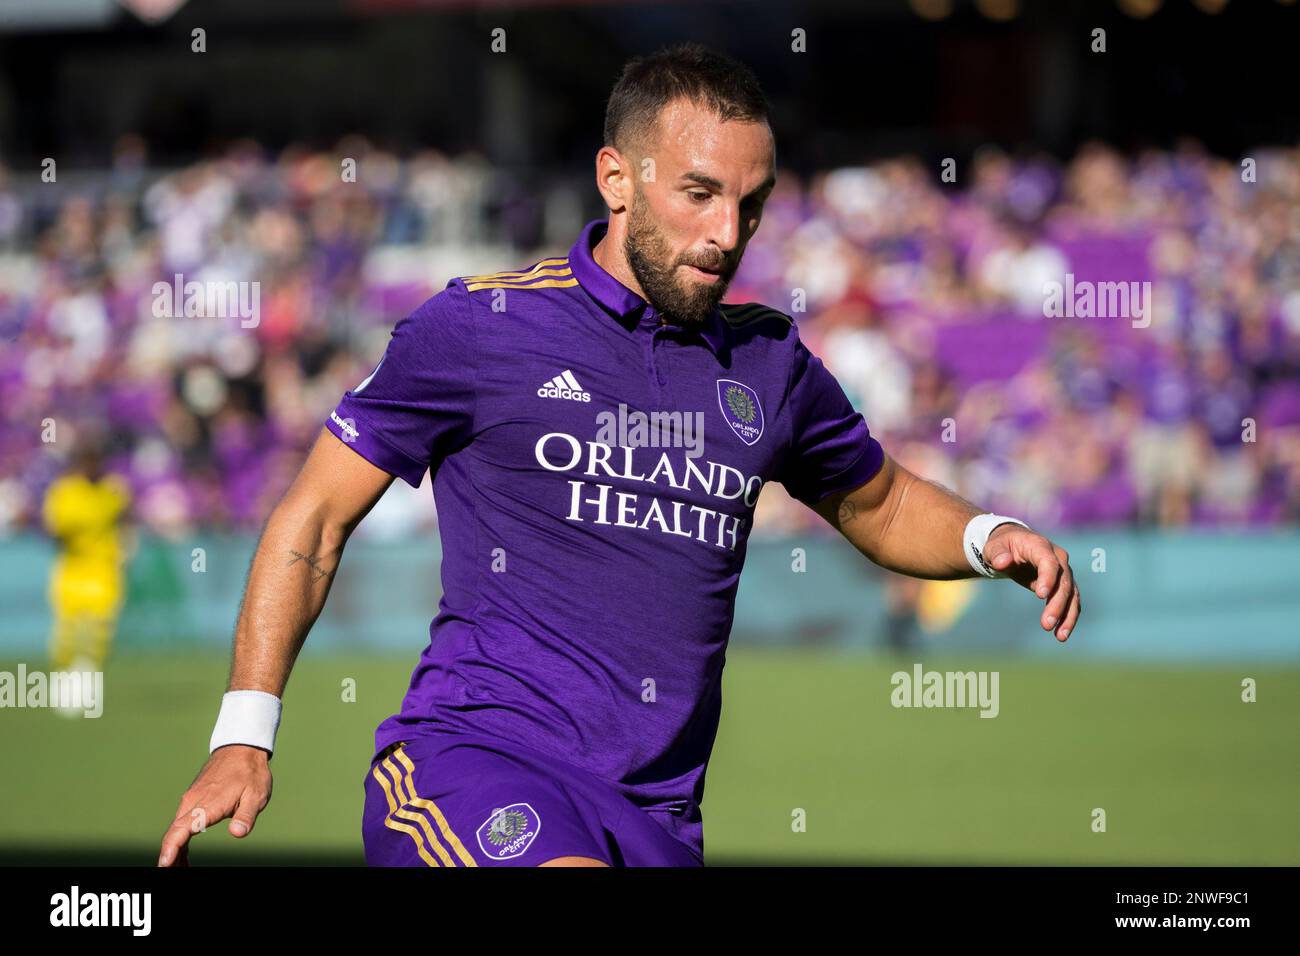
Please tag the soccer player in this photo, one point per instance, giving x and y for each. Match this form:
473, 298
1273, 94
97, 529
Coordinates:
83, 511
565, 708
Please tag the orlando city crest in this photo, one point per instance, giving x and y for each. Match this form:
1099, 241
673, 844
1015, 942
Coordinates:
509, 831
740, 407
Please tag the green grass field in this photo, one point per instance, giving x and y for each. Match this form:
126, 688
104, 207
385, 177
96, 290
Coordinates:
1186, 772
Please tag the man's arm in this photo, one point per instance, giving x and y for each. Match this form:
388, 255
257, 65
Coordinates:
296, 558
293, 567
915, 527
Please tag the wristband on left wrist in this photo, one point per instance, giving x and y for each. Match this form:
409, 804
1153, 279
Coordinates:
978, 531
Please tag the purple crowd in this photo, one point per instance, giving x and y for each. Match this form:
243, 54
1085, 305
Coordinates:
927, 291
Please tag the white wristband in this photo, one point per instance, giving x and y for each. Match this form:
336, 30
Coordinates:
976, 536
249, 717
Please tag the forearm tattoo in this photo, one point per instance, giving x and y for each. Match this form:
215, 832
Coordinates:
847, 511
315, 562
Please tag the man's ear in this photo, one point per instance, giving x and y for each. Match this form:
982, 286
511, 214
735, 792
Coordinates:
614, 178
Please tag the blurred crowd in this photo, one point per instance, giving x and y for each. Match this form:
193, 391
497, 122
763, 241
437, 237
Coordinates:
928, 302
924, 297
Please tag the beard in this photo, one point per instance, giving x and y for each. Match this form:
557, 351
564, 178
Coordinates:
679, 300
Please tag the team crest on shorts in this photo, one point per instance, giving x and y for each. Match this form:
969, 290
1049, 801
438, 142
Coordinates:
509, 831
740, 407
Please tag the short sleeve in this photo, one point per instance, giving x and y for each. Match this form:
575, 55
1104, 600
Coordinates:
831, 448
417, 406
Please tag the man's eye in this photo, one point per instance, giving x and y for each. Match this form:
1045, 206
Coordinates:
698, 195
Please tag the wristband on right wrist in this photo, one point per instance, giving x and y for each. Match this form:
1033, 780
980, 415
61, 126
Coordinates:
248, 717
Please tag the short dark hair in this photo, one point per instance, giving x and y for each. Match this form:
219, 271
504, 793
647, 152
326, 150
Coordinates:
687, 70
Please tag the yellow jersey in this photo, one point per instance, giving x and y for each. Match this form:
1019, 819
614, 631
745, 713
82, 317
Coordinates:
84, 515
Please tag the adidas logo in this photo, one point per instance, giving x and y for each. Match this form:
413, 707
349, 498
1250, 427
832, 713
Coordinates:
564, 385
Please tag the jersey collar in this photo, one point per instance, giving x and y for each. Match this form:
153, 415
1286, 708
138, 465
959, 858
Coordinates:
614, 297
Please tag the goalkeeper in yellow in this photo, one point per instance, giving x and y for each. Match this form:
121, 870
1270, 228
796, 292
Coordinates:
83, 511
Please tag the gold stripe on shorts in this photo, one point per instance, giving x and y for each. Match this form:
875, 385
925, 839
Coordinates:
406, 813
392, 824
432, 808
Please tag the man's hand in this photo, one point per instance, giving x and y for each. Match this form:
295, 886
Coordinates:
236, 783
1032, 561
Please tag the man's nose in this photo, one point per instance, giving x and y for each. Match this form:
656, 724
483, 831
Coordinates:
724, 229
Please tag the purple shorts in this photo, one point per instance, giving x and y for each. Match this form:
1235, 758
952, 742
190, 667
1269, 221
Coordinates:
449, 799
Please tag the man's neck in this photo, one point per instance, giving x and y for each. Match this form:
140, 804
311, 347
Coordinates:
608, 254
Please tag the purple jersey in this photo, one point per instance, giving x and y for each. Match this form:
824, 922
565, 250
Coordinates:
591, 547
